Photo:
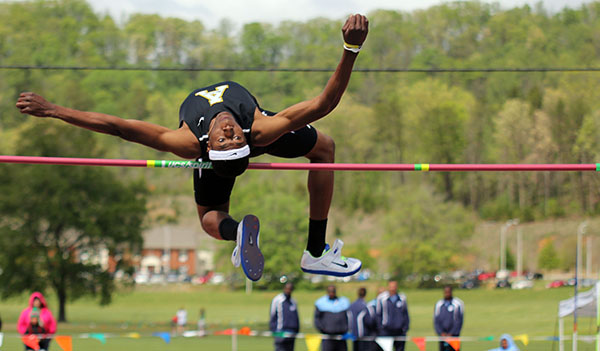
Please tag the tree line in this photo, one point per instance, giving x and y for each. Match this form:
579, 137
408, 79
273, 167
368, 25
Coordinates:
454, 117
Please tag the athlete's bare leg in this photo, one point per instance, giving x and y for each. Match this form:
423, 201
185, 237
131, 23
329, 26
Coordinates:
211, 217
315, 259
320, 183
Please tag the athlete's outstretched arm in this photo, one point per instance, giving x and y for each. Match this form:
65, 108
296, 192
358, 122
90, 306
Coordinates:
292, 118
180, 142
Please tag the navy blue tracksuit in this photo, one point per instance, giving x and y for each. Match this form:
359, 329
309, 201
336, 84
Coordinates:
392, 317
332, 317
448, 319
284, 318
362, 324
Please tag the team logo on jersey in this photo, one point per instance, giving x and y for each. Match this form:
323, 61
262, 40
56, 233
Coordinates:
215, 96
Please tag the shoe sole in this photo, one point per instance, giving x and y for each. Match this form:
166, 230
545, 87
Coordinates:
252, 259
335, 274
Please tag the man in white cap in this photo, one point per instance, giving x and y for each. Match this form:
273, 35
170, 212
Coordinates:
223, 123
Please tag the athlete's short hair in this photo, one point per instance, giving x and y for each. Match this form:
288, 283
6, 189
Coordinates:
230, 163
231, 168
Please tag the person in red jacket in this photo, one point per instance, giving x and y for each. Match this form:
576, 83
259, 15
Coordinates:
37, 311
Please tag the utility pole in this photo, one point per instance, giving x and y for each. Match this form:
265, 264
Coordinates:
519, 253
503, 231
588, 257
580, 231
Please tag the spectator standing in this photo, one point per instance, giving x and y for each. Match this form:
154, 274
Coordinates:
362, 323
181, 320
392, 315
36, 318
201, 323
331, 318
448, 317
284, 318
372, 308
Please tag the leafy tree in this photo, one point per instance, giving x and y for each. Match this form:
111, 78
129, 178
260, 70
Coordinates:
510, 260
474, 117
362, 251
548, 257
281, 205
425, 234
513, 128
438, 116
57, 220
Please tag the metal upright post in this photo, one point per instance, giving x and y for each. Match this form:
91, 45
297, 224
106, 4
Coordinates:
588, 257
519, 253
580, 231
248, 286
503, 232
234, 343
598, 316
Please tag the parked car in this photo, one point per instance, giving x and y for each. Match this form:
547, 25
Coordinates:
534, 276
141, 278
583, 282
217, 278
587, 282
556, 284
470, 284
522, 284
157, 279
172, 278
486, 275
503, 283
203, 279
503, 274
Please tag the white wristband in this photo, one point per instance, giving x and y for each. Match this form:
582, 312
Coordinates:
353, 48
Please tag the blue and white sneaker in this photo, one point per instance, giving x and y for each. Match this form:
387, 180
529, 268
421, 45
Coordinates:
247, 252
331, 262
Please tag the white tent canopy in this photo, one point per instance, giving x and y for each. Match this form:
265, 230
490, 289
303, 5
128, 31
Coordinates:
586, 304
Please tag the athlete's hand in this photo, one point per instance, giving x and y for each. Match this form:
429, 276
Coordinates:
34, 105
355, 29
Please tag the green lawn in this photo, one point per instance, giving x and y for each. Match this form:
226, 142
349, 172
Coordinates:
147, 309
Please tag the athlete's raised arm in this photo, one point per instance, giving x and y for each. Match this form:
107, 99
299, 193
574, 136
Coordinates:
181, 142
292, 118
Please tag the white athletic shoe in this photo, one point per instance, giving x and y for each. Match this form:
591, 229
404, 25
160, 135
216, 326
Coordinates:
235, 258
247, 252
331, 262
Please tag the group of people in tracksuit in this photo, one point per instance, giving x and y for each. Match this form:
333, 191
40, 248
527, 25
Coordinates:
361, 321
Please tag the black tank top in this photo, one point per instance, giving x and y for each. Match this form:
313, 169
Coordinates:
203, 104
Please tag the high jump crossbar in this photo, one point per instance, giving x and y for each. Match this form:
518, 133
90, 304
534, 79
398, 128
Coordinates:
420, 167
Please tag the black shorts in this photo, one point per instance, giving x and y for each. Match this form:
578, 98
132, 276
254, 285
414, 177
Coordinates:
212, 190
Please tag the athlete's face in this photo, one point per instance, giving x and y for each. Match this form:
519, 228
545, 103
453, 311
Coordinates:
393, 288
287, 289
225, 133
448, 293
331, 292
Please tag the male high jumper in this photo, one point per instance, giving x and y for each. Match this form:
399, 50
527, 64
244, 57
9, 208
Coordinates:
224, 123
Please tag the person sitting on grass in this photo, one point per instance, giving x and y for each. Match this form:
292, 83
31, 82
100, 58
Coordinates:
36, 328
506, 344
39, 309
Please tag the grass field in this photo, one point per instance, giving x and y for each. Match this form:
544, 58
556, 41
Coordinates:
147, 309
